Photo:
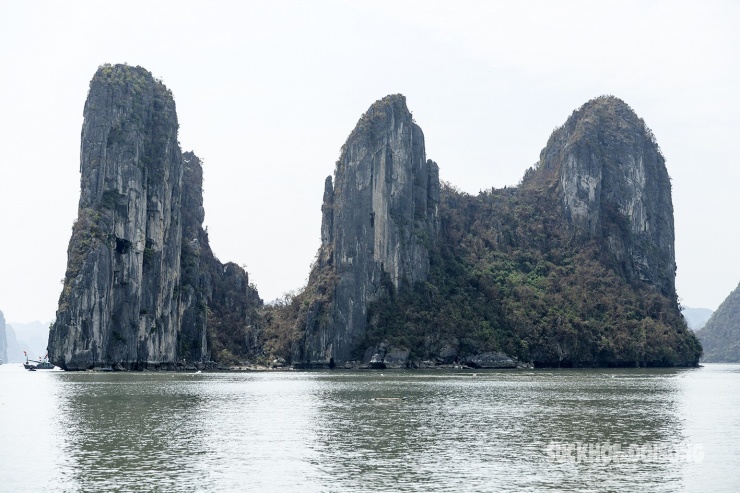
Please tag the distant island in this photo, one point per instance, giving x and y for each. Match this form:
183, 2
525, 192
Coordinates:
3, 340
696, 318
574, 267
19, 338
721, 334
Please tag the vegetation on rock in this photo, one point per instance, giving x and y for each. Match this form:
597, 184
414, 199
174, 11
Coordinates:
142, 287
574, 267
508, 276
721, 334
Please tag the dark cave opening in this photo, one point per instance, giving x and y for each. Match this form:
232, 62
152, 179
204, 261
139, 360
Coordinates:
122, 246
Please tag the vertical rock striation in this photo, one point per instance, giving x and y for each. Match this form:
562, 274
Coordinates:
140, 273
195, 260
219, 306
379, 218
614, 186
118, 303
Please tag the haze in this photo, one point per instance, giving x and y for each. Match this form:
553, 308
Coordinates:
267, 93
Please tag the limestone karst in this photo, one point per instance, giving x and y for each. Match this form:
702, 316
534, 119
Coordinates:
573, 267
720, 336
380, 216
140, 274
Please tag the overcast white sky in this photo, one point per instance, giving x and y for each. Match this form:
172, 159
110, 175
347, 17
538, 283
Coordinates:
267, 92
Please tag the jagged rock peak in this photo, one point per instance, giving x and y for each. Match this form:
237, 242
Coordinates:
379, 218
606, 114
119, 303
130, 113
614, 186
192, 195
383, 171
379, 117
599, 122
143, 288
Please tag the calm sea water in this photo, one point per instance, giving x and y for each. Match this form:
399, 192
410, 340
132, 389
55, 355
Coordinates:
537, 430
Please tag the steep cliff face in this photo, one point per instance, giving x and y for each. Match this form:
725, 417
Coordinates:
220, 319
195, 260
575, 267
140, 273
614, 185
379, 219
123, 259
721, 334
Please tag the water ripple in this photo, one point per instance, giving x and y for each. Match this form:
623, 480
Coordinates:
361, 431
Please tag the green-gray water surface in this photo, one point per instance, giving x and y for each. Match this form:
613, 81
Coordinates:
632, 430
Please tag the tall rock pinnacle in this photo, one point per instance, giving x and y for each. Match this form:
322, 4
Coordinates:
380, 215
614, 185
124, 255
140, 273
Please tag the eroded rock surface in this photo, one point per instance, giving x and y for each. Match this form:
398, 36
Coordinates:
379, 218
614, 184
141, 276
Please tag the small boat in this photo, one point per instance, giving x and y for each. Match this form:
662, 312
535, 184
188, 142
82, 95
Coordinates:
28, 365
44, 365
40, 364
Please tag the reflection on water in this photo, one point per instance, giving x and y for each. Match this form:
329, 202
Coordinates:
126, 429
362, 431
491, 431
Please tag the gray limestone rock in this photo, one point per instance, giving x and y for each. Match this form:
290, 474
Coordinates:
379, 218
140, 274
217, 301
614, 185
382, 357
397, 358
369, 353
118, 304
447, 355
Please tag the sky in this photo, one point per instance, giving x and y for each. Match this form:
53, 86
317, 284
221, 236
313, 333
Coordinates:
267, 93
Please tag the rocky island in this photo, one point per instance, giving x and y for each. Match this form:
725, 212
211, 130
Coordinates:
3, 340
720, 336
141, 277
573, 267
